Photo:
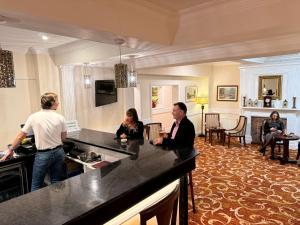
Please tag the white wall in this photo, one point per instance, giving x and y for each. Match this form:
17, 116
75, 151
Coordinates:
290, 87
290, 80
104, 118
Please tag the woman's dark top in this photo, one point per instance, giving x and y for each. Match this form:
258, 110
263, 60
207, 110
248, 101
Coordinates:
136, 133
278, 124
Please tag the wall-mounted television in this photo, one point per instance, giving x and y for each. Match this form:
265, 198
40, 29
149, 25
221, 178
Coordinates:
105, 92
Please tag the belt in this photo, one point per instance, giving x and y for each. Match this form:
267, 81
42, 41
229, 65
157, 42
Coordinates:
50, 149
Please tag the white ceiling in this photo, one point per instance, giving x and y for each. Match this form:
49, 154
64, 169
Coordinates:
21, 39
274, 59
204, 31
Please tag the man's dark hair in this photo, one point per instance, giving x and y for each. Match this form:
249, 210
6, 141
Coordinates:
48, 99
181, 106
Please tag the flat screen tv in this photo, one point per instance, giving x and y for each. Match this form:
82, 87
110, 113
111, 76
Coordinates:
105, 92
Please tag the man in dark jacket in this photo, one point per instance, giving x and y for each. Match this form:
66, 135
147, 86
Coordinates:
182, 133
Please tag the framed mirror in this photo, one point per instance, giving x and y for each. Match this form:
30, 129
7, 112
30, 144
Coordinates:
270, 85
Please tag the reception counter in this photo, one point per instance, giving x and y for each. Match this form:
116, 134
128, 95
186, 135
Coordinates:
99, 195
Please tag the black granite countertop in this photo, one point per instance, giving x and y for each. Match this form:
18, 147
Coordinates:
17, 159
105, 140
101, 194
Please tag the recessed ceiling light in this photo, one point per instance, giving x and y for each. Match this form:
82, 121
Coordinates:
45, 38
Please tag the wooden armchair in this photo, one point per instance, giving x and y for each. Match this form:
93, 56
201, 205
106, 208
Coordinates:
239, 131
212, 120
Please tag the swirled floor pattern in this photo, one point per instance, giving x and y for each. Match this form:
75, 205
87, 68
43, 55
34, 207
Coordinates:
237, 185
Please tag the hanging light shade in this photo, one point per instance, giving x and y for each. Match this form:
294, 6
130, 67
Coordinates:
132, 78
7, 75
121, 75
87, 76
121, 69
132, 74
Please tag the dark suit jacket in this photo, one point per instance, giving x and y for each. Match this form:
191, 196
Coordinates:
184, 137
137, 133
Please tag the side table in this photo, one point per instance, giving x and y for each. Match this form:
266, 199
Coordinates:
219, 131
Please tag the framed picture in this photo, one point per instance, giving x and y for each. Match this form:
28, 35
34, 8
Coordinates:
227, 93
190, 93
156, 96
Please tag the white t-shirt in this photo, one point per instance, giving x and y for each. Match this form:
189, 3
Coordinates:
47, 126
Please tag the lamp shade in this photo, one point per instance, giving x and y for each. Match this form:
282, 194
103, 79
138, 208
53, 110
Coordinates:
121, 75
132, 79
202, 100
87, 81
7, 75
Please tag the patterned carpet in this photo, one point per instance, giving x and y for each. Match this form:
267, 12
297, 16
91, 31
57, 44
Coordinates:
240, 186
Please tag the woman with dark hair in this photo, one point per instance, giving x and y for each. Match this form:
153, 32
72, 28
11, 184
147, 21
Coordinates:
273, 127
131, 127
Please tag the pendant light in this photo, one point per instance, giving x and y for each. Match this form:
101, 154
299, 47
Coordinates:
87, 76
7, 75
132, 74
121, 69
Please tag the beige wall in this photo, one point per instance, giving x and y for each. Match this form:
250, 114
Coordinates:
35, 74
224, 75
48, 73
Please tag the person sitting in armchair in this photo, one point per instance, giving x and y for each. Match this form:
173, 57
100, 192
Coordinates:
273, 127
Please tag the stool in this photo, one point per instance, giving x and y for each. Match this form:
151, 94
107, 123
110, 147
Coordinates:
298, 154
165, 210
192, 191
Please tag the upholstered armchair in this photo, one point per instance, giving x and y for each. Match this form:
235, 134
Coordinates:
212, 120
239, 131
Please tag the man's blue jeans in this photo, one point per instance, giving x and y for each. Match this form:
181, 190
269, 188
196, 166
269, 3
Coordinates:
50, 161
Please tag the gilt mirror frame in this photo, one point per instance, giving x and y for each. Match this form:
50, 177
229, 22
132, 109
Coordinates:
278, 86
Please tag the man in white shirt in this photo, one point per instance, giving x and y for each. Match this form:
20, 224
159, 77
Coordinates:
49, 129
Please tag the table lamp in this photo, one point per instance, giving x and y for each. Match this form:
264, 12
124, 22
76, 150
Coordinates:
202, 101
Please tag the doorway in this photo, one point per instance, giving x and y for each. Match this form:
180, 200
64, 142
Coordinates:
162, 99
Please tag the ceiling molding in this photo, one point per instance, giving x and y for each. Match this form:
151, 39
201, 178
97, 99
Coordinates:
155, 7
24, 50
208, 4
295, 62
235, 51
